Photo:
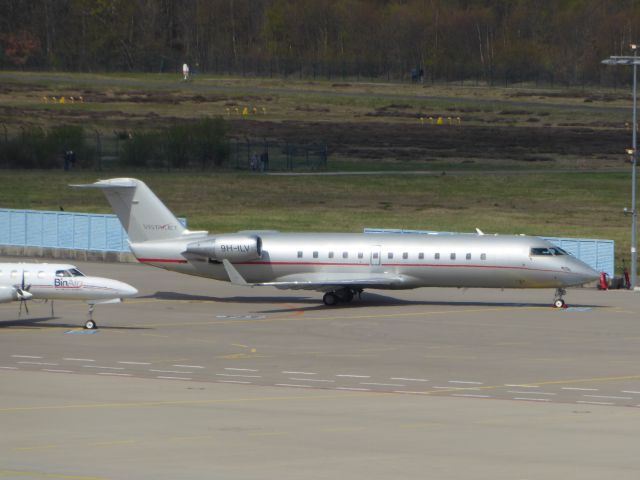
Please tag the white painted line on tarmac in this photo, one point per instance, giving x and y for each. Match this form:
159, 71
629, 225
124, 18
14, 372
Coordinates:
79, 359
173, 378
168, 371
469, 395
610, 397
631, 391
456, 388
39, 363
298, 373
56, 370
352, 376
526, 393
311, 380
237, 375
243, 369
354, 389
114, 374
581, 389
512, 385
532, 399
293, 385
103, 368
9, 368
466, 382
410, 379
595, 403
383, 384
25, 356
189, 366
233, 381
135, 363
412, 392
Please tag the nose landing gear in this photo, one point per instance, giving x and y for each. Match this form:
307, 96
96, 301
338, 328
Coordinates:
558, 301
90, 324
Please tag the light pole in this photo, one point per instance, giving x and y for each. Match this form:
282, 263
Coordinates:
632, 60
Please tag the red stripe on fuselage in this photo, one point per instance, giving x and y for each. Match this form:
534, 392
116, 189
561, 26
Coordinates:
161, 260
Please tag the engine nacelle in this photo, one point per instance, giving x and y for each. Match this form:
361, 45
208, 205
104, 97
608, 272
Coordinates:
232, 247
8, 294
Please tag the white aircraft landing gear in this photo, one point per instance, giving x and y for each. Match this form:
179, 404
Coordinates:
558, 301
90, 324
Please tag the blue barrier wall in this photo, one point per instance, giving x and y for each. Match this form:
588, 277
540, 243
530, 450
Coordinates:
77, 231
598, 254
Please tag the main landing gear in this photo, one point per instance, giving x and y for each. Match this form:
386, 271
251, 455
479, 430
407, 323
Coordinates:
344, 295
90, 324
558, 301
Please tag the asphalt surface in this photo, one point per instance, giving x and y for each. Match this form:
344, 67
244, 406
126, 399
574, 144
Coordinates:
202, 379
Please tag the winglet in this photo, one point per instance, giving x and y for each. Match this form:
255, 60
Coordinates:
234, 275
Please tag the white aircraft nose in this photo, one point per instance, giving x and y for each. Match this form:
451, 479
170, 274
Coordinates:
127, 290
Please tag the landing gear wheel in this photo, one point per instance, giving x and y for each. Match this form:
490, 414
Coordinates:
559, 303
345, 295
90, 325
330, 299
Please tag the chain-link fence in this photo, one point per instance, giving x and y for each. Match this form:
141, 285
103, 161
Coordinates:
86, 148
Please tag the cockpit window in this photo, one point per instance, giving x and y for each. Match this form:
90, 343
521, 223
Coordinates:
72, 272
547, 251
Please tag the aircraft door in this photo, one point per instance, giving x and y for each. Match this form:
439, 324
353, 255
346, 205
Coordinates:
375, 255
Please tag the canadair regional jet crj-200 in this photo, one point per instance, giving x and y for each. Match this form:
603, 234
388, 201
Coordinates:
339, 264
50, 281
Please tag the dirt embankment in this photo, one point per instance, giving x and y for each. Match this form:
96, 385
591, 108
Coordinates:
388, 140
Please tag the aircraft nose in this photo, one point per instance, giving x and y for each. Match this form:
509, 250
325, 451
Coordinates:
128, 290
586, 273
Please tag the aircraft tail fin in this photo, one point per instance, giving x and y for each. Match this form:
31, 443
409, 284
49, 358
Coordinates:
142, 214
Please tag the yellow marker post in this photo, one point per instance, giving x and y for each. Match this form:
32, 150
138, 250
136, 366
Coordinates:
61, 99
245, 111
440, 121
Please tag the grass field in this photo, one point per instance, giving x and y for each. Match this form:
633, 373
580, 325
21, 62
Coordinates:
558, 151
576, 205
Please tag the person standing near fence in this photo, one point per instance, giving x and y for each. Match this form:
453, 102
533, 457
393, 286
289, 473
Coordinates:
185, 72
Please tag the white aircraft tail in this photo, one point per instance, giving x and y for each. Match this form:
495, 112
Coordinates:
142, 214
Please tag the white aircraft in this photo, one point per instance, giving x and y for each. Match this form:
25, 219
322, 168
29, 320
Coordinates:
47, 281
341, 265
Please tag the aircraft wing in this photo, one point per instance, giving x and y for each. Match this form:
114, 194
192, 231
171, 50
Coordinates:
320, 281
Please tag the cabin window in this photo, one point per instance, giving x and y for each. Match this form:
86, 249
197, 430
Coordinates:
405, 255
468, 256
452, 256
315, 254
544, 251
390, 255
375, 255
421, 255
40, 274
360, 255
483, 256
345, 254
299, 254
330, 254
437, 256
75, 272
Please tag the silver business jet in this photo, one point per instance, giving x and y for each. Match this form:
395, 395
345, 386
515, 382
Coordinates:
340, 265
47, 281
